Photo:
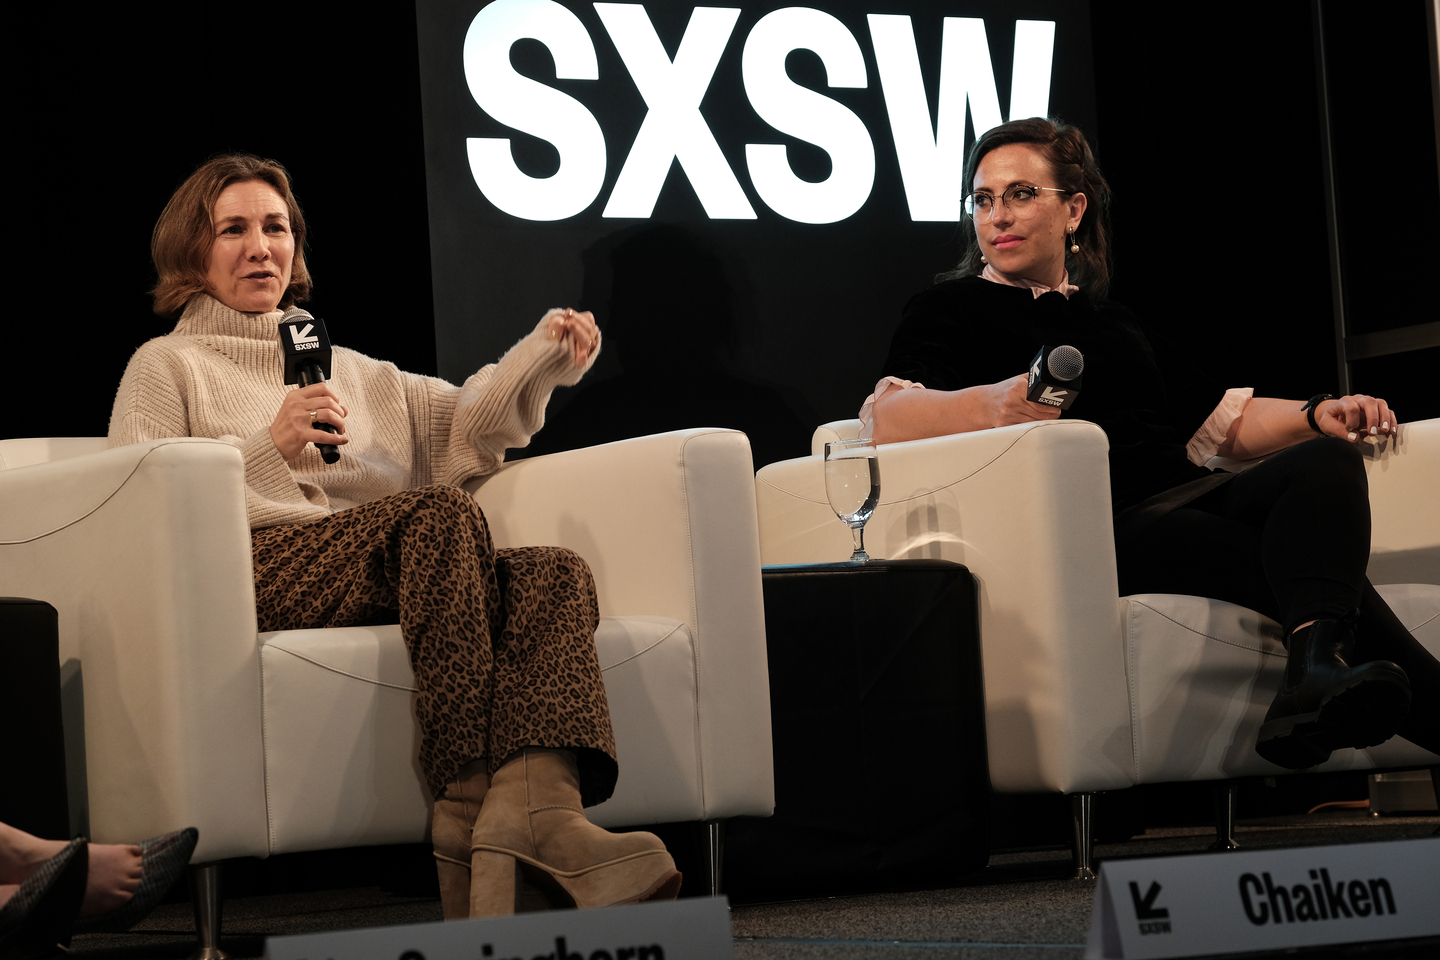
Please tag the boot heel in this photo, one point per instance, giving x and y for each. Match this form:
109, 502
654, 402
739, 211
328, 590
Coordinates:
494, 884
454, 887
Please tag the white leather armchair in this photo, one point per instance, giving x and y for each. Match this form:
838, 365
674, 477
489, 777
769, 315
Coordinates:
1086, 690
306, 739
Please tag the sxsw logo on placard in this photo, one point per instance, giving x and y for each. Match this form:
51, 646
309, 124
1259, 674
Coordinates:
1152, 918
674, 130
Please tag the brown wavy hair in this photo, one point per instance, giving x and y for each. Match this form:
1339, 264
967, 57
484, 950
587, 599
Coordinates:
1073, 164
184, 234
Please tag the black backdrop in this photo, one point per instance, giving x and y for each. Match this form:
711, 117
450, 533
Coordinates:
767, 324
1206, 125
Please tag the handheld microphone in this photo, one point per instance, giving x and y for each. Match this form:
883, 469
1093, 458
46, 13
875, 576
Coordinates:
1055, 376
305, 347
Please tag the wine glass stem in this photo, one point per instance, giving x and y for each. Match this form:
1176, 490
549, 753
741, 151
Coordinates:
858, 535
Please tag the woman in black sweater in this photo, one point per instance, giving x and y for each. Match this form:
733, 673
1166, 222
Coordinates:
1289, 538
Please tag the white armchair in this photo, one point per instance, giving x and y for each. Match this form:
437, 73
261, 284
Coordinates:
1086, 690
306, 739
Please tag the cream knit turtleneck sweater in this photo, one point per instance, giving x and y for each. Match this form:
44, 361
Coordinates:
219, 373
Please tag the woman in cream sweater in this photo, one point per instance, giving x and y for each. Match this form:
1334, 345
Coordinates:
516, 732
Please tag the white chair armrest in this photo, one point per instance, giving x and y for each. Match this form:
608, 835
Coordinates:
830, 432
24, 451
1405, 506
667, 524
1027, 509
145, 553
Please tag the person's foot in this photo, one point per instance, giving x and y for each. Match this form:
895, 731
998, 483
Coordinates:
113, 878
1324, 704
162, 860
38, 917
531, 827
451, 826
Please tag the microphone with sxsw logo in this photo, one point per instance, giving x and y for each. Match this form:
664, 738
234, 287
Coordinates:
1055, 376
306, 349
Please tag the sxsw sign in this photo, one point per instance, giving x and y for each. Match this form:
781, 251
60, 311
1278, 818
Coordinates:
675, 131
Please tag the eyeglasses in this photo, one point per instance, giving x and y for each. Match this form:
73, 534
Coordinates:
1018, 199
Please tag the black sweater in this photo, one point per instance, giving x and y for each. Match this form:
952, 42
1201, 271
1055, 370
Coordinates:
1142, 391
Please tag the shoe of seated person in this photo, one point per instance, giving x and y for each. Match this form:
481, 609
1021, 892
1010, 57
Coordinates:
39, 917
1325, 704
162, 860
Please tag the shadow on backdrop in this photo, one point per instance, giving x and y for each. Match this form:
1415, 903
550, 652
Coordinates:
674, 328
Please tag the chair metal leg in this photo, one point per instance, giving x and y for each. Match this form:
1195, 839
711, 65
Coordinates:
205, 895
1435, 782
1225, 797
714, 856
1083, 839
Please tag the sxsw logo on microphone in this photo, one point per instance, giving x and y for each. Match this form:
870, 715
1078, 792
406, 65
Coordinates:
1055, 397
303, 339
1052, 396
675, 131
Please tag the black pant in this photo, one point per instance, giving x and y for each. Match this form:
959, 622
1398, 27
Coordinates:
1289, 538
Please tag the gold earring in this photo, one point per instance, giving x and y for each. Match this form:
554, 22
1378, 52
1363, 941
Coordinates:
1074, 247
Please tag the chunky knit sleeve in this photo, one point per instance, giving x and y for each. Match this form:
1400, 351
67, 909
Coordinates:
151, 401
154, 401
499, 407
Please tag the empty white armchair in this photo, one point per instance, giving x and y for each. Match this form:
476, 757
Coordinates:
1086, 690
306, 739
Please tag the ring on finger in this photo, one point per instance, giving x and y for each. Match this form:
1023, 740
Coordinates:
314, 415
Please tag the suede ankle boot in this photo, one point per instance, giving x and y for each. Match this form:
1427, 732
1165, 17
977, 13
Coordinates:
532, 827
1325, 704
450, 829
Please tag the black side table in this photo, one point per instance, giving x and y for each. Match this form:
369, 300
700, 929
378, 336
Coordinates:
877, 707
32, 750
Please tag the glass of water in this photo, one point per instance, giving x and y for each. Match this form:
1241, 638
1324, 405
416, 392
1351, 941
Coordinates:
852, 482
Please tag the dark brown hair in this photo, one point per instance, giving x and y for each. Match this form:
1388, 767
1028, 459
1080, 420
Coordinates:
1064, 147
184, 234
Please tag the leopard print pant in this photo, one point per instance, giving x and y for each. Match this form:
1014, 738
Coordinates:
502, 642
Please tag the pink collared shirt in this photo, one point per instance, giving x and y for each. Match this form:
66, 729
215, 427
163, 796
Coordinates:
1034, 286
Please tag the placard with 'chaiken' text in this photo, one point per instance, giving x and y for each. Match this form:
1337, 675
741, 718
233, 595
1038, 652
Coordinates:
1265, 900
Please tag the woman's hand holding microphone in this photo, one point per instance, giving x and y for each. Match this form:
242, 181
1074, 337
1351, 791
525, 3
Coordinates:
1007, 403
294, 426
917, 413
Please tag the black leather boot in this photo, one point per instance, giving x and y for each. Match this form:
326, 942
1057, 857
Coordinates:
1325, 704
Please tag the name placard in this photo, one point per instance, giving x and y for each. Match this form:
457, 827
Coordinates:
695, 929
1265, 900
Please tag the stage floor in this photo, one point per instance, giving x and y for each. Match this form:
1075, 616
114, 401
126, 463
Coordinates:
1020, 907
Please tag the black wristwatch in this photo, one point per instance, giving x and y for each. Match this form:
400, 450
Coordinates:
1309, 409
